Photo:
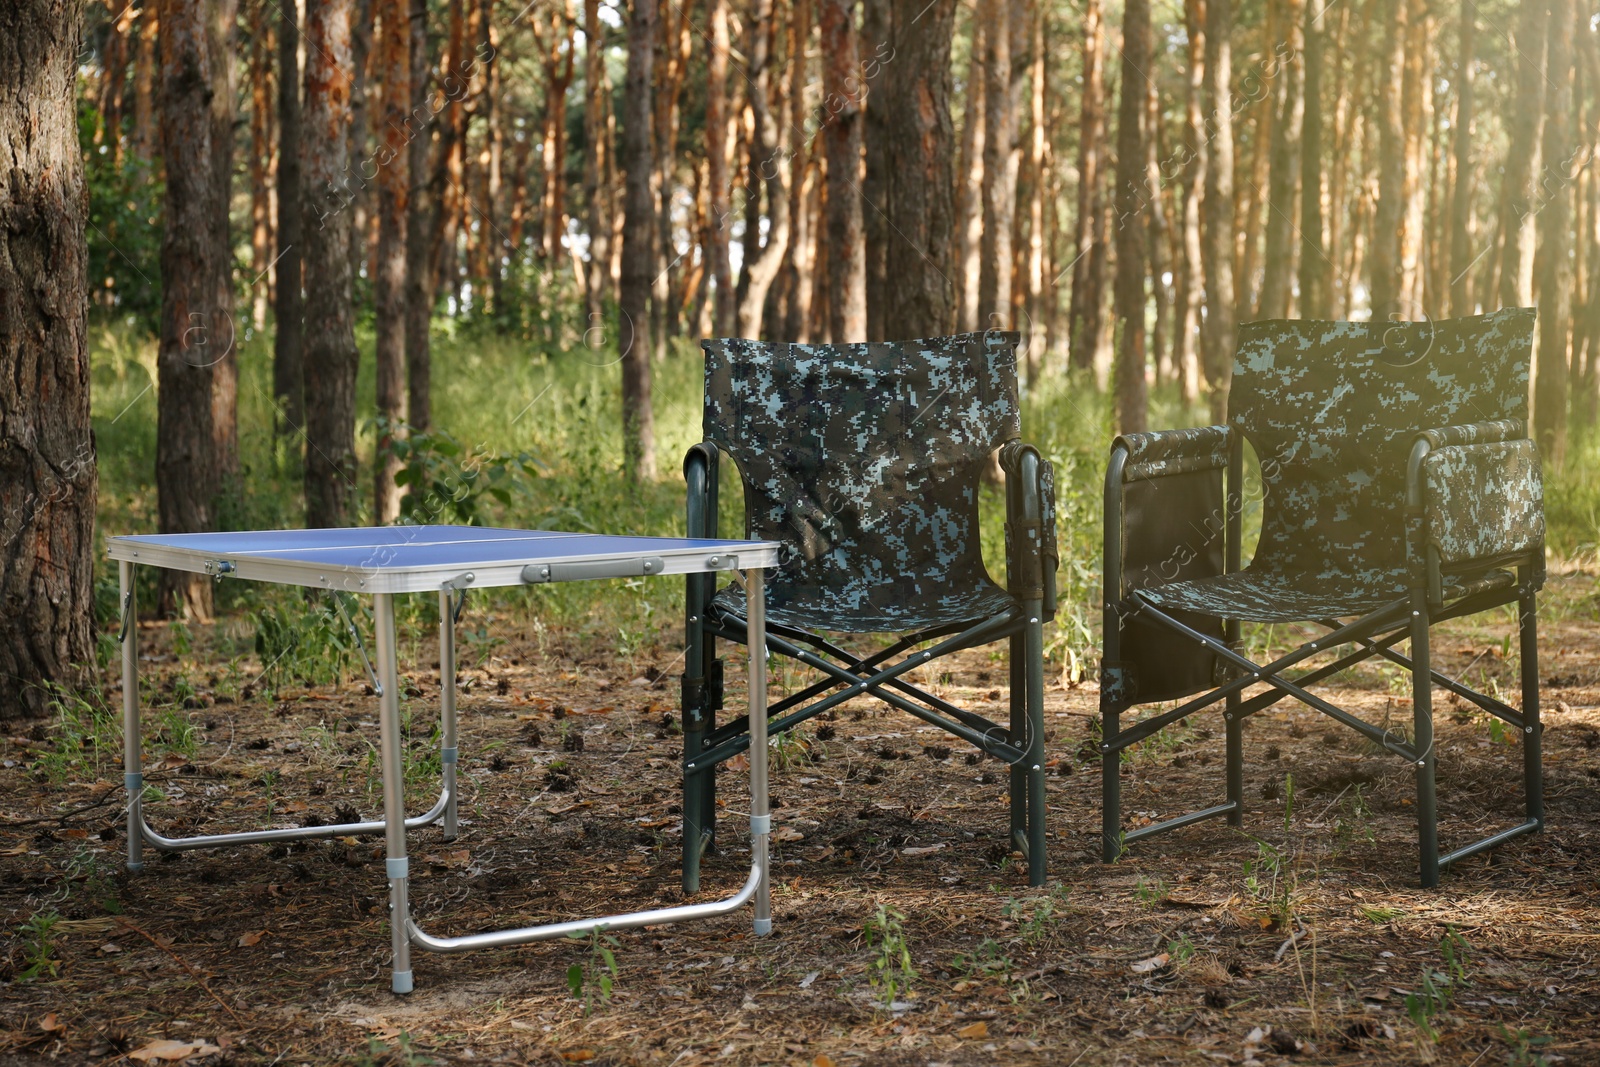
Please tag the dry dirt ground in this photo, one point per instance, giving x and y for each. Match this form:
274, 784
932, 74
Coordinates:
1300, 939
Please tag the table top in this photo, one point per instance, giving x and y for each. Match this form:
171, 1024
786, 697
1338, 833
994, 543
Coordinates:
412, 559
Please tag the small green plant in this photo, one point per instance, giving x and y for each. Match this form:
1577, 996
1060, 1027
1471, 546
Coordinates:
1288, 801
987, 959
177, 734
38, 947
1180, 951
448, 481
1437, 987
86, 734
1150, 893
1380, 914
87, 872
403, 1053
1269, 884
890, 970
306, 640
1524, 1048
1036, 919
596, 975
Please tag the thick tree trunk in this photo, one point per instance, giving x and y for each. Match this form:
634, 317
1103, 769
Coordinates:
358, 170
1192, 170
1389, 220
1217, 336
596, 173
47, 453
1461, 250
969, 180
1522, 158
1313, 259
1089, 255
260, 167
638, 238
999, 168
1277, 263
721, 218
672, 60
330, 350
389, 272
419, 224
1132, 196
846, 242
288, 351
798, 285
920, 260
1550, 393
197, 434
877, 55
1416, 105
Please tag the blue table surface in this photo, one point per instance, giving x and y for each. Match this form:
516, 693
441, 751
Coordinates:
400, 547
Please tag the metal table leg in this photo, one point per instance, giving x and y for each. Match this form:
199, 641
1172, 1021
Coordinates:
394, 787
132, 764
447, 708
760, 816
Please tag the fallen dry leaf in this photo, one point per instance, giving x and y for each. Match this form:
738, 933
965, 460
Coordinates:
822, 1061
578, 1055
1154, 963
251, 939
977, 1029
51, 1022
18, 849
787, 833
165, 1049
920, 850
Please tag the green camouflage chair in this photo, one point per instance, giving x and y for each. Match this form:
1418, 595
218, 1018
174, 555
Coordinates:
864, 460
1399, 490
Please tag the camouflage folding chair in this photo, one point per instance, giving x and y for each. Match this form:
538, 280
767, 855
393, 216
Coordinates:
1399, 490
864, 461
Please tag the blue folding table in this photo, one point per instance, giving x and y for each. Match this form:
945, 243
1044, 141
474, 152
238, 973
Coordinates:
446, 560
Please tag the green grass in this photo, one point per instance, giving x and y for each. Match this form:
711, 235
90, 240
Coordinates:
562, 409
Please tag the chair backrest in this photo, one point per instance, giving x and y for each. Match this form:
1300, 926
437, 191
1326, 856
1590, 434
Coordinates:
864, 459
1331, 409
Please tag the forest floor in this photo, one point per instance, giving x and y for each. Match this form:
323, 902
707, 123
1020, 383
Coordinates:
1300, 938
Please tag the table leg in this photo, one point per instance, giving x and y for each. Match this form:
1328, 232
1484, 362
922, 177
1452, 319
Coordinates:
132, 764
760, 816
447, 709
394, 790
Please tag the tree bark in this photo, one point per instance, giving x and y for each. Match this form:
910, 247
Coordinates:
196, 435
389, 272
1461, 251
721, 218
638, 238
969, 180
798, 287
1313, 258
1277, 263
1550, 393
1522, 158
330, 350
47, 451
260, 166
920, 260
288, 351
769, 171
999, 168
420, 286
145, 134
846, 241
1192, 170
1217, 335
1158, 234
1089, 256
596, 180
1132, 199
877, 55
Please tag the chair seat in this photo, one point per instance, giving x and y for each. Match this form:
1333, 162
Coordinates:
837, 611
1266, 596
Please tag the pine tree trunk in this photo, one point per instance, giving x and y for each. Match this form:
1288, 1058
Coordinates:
877, 55
769, 171
260, 165
1313, 258
1217, 335
798, 285
1192, 170
1158, 234
1416, 105
596, 178
196, 434
1132, 196
999, 168
330, 347
47, 451
145, 133
1461, 250
420, 286
721, 218
1522, 158
846, 242
1550, 391
1389, 221
920, 260
359, 173
288, 350
638, 238
1088, 266
393, 161
1277, 263
1038, 166
969, 179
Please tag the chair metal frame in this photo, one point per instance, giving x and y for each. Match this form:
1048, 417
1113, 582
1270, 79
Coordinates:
1373, 634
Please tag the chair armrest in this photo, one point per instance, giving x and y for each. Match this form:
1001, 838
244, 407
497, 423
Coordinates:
1475, 496
1164, 452
1032, 555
